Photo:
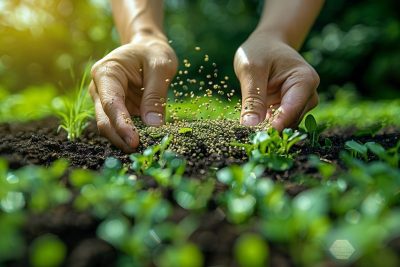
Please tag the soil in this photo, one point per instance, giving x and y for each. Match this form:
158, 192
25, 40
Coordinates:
38, 142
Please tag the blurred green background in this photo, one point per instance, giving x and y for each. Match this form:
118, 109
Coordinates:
354, 44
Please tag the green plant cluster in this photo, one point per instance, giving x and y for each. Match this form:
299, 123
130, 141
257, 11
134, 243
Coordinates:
272, 149
348, 216
74, 112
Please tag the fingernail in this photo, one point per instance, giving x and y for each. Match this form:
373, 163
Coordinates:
154, 119
250, 119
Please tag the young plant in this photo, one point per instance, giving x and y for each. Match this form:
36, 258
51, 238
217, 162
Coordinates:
75, 111
271, 149
313, 129
163, 165
357, 150
142, 162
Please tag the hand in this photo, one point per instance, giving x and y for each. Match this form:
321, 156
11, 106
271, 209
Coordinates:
132, 80
273, 76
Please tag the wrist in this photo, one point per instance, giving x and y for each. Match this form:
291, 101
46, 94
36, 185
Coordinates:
276, 35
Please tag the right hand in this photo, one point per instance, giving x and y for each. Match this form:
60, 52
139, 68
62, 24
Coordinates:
117, 88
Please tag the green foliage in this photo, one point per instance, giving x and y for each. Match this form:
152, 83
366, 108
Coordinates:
47, 251
142, 163
34, 102
251, 251
357, 149
354, 207
75, 112
272, 149
187, 255
314, 130
390, 156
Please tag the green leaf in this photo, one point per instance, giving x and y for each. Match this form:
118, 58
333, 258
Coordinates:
81, 177
184, 130
377, 149
113, 230
251, 251
310, 123
357, 147
240, 208
187, 255
47, 251
225, 175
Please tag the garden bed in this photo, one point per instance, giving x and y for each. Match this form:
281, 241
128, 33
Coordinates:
39, 143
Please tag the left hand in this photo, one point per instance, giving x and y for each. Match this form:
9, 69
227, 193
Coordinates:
272, 76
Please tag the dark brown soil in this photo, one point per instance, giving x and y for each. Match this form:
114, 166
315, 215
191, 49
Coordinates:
39, 143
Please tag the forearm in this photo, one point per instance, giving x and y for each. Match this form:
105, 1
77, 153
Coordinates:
135, 18
289, 20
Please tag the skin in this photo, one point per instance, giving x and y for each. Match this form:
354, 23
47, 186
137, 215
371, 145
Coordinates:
134, 78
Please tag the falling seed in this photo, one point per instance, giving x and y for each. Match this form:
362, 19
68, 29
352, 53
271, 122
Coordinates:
167, 80
142, 89
197, 48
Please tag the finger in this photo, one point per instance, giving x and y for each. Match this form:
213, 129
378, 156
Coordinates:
157, 77
110, 81
312, 103
253, 84
298, 98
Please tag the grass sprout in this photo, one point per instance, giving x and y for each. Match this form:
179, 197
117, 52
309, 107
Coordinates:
75, 111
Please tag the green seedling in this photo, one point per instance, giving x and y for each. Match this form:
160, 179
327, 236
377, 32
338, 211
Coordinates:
142, 162
251, 250
192, 194
391, 155
240, 200
76, 111
370, 130
272, 149
313, 129
356, 149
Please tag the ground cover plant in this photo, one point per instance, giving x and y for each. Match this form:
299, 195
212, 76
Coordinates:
202, 190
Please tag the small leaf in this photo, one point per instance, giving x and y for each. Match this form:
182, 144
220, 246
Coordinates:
47, 251
185, 130
251, 251
310, 123
357, 147
225, 175
113, 230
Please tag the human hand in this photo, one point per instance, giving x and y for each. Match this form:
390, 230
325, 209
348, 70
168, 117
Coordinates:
132, 80
273, 76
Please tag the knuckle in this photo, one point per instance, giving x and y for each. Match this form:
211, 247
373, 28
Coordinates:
165, 63
251, 66
104, 68
311, 75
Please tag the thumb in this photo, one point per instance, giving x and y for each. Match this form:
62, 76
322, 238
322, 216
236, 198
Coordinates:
156, 83
254, 98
